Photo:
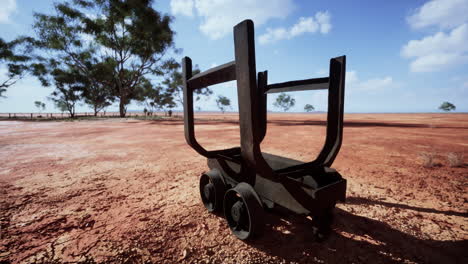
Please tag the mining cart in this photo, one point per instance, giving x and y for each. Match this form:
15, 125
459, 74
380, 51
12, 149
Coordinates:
243, 182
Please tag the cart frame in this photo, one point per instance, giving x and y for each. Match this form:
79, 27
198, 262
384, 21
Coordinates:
305, 188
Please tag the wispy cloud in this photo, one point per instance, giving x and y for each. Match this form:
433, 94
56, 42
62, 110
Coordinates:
7, 8
445, 48
219, 16
182, 7
353, 83
318, 23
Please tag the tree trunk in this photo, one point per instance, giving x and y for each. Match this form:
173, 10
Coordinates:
122, 109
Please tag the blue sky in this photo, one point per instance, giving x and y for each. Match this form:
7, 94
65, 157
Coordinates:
402, 56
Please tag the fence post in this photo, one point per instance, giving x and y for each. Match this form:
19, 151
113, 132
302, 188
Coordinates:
9, 115
31, 116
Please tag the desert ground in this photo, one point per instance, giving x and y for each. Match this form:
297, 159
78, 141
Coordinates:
126, 191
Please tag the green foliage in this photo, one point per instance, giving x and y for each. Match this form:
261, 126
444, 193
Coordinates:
123, 40
309, 108
156, 98
69, 85
223, 103
174, 85
17, 57
284, 101
446, 106
97, 92
40, 105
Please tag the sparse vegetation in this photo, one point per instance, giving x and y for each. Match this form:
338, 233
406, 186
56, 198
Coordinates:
223, 103
427, 159
40, 106
455, 159
110, 43
447, 106
284, 101
18, 59
309, 108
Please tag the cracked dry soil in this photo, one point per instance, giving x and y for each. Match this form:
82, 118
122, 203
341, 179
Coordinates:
126, 191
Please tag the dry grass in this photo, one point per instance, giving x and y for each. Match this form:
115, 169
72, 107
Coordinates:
427, 159
455, 159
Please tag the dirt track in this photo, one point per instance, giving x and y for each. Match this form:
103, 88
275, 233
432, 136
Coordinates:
126, 191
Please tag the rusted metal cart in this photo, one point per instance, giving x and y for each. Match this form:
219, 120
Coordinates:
243, 182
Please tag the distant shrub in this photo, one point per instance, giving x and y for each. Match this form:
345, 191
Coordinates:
455, 159
427, 159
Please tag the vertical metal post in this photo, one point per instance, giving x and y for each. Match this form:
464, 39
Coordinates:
248, 97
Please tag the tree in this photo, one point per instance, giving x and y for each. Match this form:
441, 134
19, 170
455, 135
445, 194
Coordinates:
309, 108
156, 98
223, 103
68, 85
284, 101
97, 95
128, 36
40, 106
447, 107
16, 56
174, 85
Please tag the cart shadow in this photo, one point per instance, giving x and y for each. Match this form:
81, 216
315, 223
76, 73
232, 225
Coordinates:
355, 239
280, 122
365, 201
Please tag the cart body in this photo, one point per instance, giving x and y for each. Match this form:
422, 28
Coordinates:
308, 188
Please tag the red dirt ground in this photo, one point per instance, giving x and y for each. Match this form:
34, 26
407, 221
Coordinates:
126, 191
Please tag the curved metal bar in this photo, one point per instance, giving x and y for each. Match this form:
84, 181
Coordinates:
334, 136
249, 103
189, 127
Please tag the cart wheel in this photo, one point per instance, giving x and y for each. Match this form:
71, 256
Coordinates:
321, 225
212, 190
243, 211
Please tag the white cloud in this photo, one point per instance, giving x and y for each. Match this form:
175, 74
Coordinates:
219, 16
8, 7
183, 7
323, 19
440, 42
445, 48
375, 84
438, 51
442, 13
320, 22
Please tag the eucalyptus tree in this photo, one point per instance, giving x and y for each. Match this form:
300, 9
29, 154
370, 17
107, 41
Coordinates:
69, 85
223, 103
98, 95
284, 101
40, 106
174, 84
129, 39
309, 108
18, 59
447, 106
156, 98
